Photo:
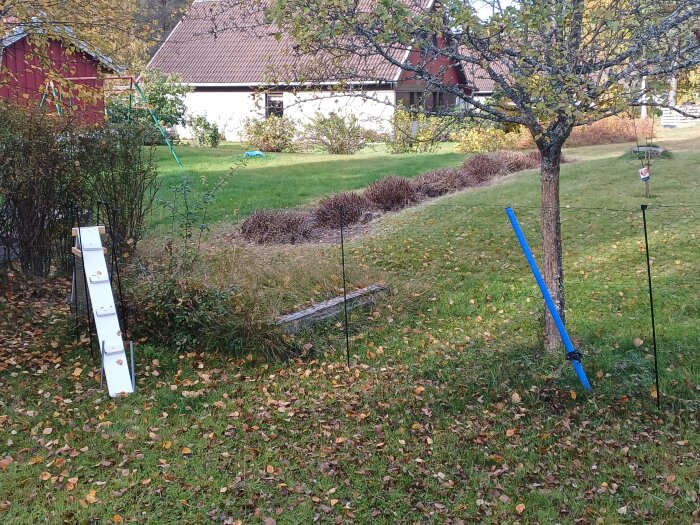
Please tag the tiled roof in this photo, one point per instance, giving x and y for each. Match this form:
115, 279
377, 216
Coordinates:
480, 79
203, 50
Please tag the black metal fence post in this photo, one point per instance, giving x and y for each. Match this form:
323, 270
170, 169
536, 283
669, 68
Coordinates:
651, 304
88, 303
345, 292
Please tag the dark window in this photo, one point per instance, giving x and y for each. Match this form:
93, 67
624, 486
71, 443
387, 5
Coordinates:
274, 106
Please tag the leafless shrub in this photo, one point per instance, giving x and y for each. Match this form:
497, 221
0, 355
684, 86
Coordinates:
536, 158
483, 168
391, 193
516, 161
438, 182
342, 208
277, 227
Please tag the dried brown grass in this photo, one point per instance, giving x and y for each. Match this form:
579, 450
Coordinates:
277, 227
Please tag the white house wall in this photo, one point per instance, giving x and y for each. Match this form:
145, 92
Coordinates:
229, 109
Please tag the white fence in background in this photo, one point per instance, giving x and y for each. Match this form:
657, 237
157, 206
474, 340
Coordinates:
672, 119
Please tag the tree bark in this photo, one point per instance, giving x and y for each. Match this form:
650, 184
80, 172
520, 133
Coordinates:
552, 267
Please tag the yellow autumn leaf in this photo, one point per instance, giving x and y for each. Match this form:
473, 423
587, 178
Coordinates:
186, 450
91, 497
573, 394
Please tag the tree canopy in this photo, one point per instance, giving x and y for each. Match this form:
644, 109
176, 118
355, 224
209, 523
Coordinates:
555, 64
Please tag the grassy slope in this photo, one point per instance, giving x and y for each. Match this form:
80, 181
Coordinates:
449, 412
283, 180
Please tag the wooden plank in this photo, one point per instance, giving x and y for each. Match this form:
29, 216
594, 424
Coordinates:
296, 321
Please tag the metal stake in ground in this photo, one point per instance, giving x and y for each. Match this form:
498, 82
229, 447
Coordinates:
651, 304
345, 290
112, 220
88, 303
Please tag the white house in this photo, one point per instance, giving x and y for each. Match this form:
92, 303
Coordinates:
253, 73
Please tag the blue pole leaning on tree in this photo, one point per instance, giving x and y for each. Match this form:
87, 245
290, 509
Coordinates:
571, 354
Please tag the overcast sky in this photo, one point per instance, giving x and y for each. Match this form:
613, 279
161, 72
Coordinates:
485, 7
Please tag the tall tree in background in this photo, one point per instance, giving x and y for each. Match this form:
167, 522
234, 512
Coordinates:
117, 29
556, 64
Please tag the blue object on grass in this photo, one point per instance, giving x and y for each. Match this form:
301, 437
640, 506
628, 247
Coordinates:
571, 354
254, 154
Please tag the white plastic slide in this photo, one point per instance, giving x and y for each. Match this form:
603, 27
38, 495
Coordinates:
109, 335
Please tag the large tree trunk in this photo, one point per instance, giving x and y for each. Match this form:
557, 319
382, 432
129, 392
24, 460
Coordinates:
552, 269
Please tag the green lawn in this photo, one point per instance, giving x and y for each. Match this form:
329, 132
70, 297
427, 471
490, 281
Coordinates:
449, 413
284, 180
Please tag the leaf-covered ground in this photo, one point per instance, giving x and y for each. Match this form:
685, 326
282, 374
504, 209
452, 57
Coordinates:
448, 414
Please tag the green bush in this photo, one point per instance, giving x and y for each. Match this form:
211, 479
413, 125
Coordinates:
185, 314
415, 132
124, 177
335, 134
174, 306
52, 170
43, 183
273, 134
165, 96
205, 134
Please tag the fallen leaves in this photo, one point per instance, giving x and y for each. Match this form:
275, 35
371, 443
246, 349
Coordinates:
520, 508
35, 460
6, 462
72, 482
91, 497
515, 397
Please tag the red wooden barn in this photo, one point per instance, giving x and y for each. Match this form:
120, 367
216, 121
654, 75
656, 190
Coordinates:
66, 74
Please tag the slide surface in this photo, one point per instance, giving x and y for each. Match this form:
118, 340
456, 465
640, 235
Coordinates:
109, 335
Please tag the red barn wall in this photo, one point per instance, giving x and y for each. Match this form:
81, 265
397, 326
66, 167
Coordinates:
436, 66
24, 76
